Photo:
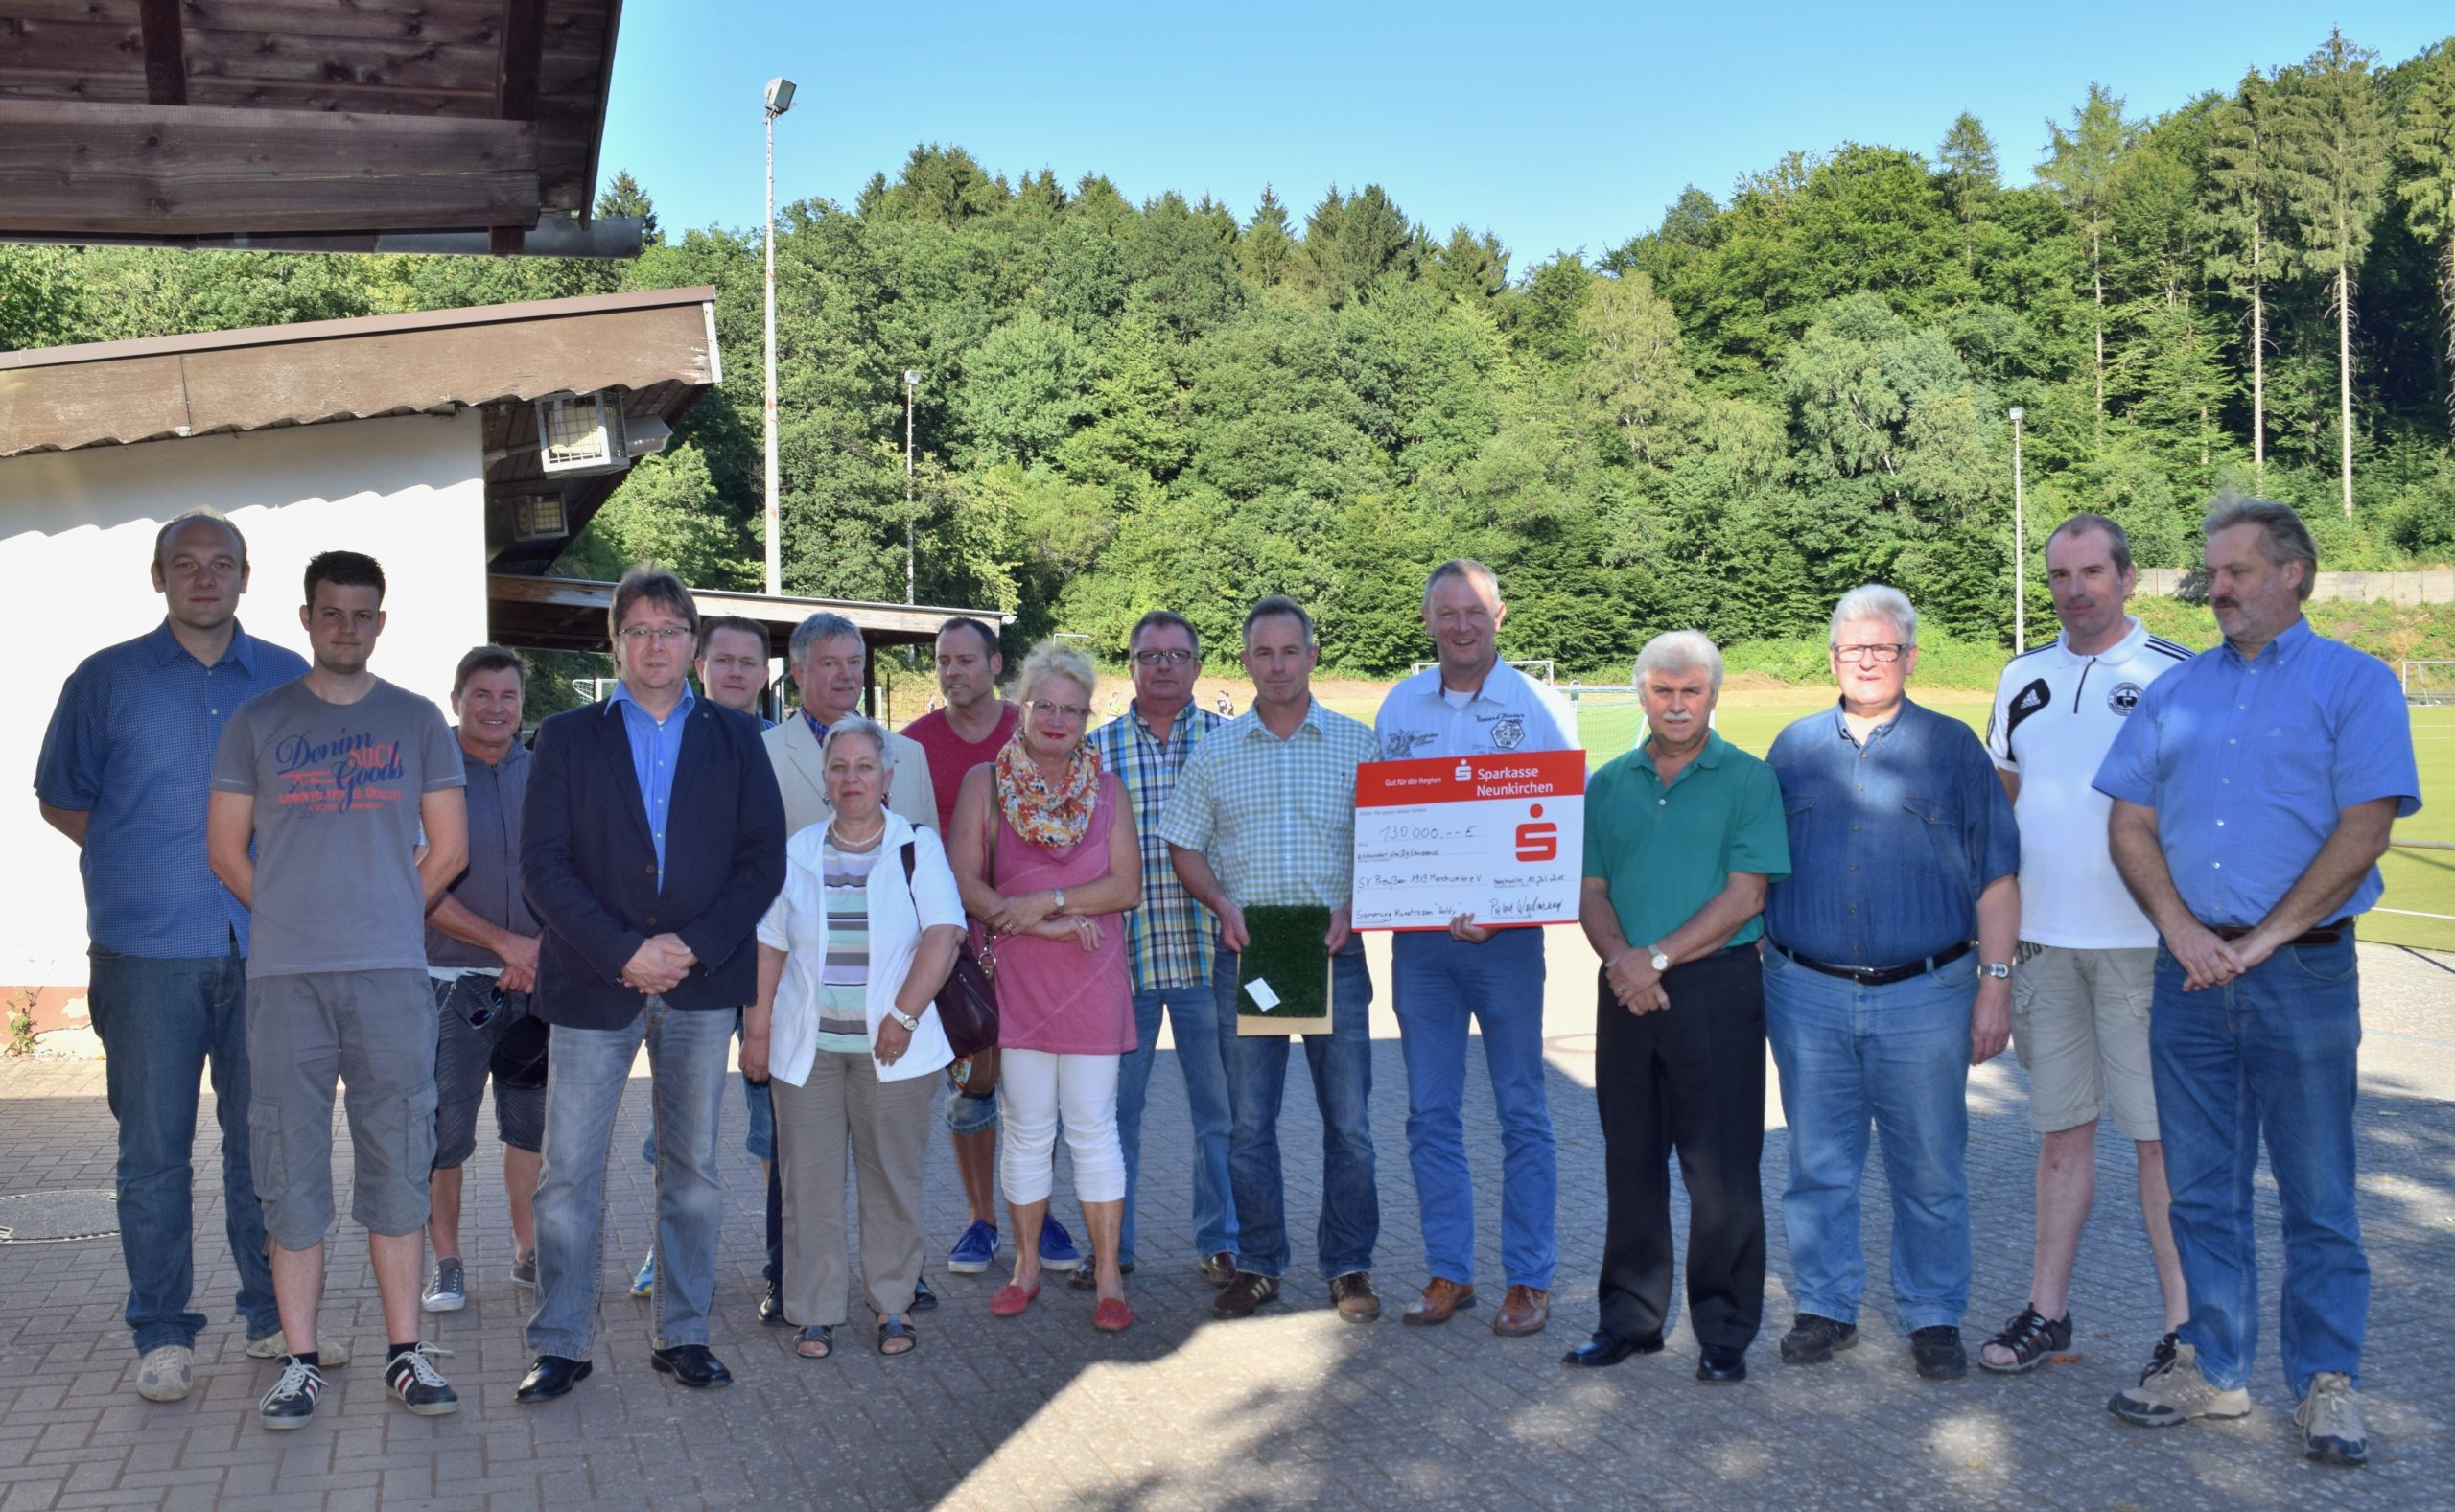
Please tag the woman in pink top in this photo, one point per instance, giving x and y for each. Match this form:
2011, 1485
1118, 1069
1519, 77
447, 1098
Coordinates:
1044, 850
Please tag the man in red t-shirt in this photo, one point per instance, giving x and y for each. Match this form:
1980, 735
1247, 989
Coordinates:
964, 735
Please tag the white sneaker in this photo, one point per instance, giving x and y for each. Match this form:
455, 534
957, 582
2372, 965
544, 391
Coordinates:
2329, 1418
274, 1345
2176, 1393
163, 1374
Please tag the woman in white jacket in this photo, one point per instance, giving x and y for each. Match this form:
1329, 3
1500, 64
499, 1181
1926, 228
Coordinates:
850, 958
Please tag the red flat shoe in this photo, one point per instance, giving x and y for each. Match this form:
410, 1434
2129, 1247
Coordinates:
1011, 1301
1112, 1315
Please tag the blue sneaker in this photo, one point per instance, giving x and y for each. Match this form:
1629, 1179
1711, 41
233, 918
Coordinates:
1057, 1245
975, 1252
644, 1283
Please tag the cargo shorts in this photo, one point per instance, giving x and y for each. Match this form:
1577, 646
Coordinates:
2080, 1025
375, 1032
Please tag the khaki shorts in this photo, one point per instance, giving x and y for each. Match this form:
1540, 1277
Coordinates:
2080, 1023
374, 1032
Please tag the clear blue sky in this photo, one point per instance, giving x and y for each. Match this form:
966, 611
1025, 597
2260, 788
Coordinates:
1553, 125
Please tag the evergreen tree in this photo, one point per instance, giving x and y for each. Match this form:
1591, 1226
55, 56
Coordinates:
2079, 169
623, 197
1971, 176
2242, 200
2425, 155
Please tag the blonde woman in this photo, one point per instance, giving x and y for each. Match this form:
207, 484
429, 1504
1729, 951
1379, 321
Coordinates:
1043, 849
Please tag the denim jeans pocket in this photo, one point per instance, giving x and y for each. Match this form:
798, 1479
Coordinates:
2325, 965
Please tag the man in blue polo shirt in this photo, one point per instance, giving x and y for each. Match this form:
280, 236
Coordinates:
123, 775
1471, 703
2253, 791
1903, 851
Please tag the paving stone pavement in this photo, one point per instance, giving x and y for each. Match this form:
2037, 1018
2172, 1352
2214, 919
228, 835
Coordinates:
1289, 1408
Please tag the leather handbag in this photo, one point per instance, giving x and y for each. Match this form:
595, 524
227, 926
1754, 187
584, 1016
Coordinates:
967, 1004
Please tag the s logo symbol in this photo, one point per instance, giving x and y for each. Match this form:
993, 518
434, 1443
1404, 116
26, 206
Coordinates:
1538, 841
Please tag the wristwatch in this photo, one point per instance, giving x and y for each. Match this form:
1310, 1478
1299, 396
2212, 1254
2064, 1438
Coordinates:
1999, 970
911, 1025
1060, 900
1661, 961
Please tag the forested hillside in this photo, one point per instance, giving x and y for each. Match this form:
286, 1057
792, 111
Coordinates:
1776, 393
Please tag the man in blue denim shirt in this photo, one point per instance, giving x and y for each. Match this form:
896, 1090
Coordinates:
2253, 794
1903, 850
123, 775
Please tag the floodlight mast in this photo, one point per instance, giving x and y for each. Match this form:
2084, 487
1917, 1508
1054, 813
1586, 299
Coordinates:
779, 100
2020, 548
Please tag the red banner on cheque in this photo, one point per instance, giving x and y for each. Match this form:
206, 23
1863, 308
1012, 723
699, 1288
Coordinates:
1500, 837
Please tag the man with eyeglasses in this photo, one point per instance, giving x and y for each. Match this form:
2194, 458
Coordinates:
1903, 851
481, 953
1171, 941
967, 729
652, 843
125, 774
1471, 703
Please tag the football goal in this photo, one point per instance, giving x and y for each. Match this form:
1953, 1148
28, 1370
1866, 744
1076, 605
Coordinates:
2430, 683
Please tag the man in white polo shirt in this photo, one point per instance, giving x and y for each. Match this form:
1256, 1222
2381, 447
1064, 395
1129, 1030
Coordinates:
1472, 703
2087, 957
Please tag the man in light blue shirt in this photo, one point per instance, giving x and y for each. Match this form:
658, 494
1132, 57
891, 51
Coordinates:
124, 775
2254, 789
1472, 703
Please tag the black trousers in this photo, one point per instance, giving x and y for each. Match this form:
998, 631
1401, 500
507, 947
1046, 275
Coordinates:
1688, 1079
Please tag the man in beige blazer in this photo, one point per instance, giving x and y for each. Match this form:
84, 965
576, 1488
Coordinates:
830, 666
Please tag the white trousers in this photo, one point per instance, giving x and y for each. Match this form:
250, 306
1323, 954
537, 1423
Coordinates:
1036, 1087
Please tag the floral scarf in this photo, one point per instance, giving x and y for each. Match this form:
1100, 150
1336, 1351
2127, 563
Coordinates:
1048, 815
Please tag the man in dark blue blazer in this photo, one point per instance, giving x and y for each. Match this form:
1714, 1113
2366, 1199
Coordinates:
653, 841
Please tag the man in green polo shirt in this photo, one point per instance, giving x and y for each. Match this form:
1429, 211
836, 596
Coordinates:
1682, 836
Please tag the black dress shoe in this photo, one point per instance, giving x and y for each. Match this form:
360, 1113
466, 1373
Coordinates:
551, 1376
1718, 1364
771, 1309
1607, 1348
691, 1365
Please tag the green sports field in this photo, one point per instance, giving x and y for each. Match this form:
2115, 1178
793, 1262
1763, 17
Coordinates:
2419, 908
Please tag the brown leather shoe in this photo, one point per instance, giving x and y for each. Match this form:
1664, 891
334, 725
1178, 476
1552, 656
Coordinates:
1440, 1299
1524, 1311
1352, 1294
1218, 1270
1244, 1295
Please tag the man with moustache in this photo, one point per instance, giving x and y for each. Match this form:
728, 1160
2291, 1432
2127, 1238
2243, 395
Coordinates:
1264, 814
653, 842
966, 732
2254, 789
338, 817
481, 955
1474, 703
1170, 940
1682, 834
1903, 851
2088, 954
123, 775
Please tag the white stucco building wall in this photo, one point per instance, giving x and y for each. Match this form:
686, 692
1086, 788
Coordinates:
76, 541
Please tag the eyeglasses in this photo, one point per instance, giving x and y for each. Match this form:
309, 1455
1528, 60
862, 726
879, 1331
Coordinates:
1891, 652
1074, 712
662, 635
1175, 657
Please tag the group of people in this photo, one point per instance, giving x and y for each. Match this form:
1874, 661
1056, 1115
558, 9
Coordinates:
2145, 878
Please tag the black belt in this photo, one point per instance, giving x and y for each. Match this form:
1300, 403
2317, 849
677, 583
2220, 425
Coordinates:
1878, 976
2323, 935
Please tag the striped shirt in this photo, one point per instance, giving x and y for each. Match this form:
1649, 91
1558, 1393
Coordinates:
1168, 939
1275, 818
844, 981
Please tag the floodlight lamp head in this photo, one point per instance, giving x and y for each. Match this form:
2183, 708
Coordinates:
2015, 414
912, 377
780, 97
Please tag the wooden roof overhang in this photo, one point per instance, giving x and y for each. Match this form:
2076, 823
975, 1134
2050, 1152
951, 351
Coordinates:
656, 350
195, 121
566, 614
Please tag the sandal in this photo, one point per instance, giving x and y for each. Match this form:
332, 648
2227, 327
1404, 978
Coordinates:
897, 1337
2029, 1339
817, 1342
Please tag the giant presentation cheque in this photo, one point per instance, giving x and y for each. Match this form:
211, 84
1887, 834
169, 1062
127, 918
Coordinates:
1500, 837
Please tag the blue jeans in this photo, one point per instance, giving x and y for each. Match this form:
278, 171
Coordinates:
2271, 1053
1442, 985
1194, 1012
161, 1024
1898, 1055
687, 1053
1341, 1066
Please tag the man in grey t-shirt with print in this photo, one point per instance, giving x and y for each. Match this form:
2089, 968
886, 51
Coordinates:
349, 789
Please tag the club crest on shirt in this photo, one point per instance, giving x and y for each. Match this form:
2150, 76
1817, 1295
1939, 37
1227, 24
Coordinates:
1508, 732
1397, 745
2124, 698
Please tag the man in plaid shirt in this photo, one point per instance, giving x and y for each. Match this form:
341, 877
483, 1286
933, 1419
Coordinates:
1263, 815
1170, 939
